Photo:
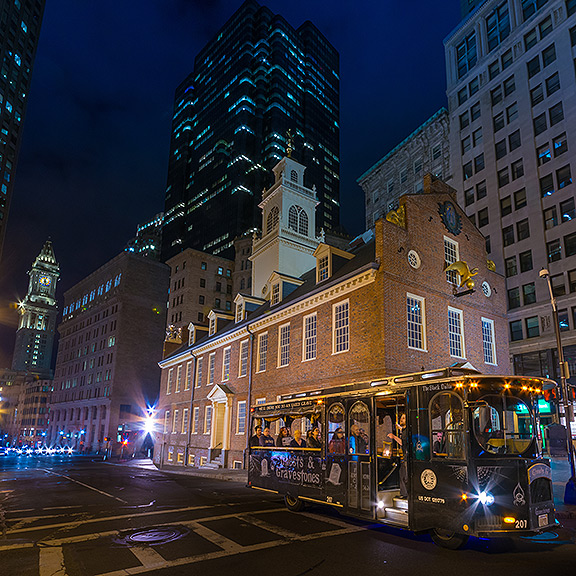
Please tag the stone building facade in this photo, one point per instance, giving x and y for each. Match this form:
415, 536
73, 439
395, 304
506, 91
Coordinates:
111, 338
402, 170
386, 307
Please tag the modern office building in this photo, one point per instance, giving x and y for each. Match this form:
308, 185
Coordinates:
111, 339
148, 239
20, 22
258, 88
468, 6
402, 170
38, 310
512, 96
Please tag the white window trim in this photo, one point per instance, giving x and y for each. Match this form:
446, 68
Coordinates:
195, 420
423, 309
198, 372
260, 338
238, 433
169, 381
334, 307
189, 376
178, 384
206, 408
175, 421
304, 359
493, 331
462, 342
243, 343
278, 364
211, 369
457, 250
227, 350
185, 420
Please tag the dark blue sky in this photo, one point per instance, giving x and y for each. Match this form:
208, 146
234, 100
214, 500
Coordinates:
97, 130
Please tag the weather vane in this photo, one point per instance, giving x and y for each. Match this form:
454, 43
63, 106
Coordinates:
289, 143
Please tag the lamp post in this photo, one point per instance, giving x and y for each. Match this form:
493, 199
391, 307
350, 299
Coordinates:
570, 491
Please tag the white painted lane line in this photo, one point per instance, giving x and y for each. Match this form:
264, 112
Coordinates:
225, 543
111, 518
223, 553
270, 527
51, 562
148, 557
85, 485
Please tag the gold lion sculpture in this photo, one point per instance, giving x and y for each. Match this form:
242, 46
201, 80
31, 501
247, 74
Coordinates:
461, 268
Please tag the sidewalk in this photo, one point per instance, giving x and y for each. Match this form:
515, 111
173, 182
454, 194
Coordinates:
560, 475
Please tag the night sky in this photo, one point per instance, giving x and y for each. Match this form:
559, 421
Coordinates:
96, 138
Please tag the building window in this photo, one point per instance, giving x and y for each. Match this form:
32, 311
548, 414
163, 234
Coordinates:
456, 337
451, 255
298, 220
523, 229
466, 55
176, 422
554, 250
212, 325
505, 206
539, 124
272, 221
262, 351
508, 236
196, 420
547, 185
533, 66
284, 348
556, 114
488, 341
323, 268
529, 293
510, 266
480, 190
243, 370
572, 280
211, 368
169, 381
520, 199
309, 339
415, 315
479, 163
532, 327
570, 244
188, 377
503, 177
178, 378
552, 84
469, 196
548, 55
498, 121
207, 419
536, 95
560, 145
567, 211
341, 327
525, 261
516, 331
226, 365
199, 367
241, 420
483, 218
558, 285
544, 155
239, 312
166, 420
517, 169
185, 414
513, 298
275, 297
563, 177
501, 149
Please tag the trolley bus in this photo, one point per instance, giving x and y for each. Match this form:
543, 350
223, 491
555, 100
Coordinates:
472, 456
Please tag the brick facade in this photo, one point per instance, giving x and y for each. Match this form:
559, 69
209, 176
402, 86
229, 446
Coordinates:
374, 283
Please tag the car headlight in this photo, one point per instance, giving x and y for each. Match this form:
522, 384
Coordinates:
486, 498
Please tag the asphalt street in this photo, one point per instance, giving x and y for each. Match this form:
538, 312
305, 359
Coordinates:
76, 516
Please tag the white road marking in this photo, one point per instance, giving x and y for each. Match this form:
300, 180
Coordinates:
148, 557
109, 519
225, 543
85, 485
51, 562
270, 527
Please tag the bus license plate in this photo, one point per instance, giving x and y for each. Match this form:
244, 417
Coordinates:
543, 520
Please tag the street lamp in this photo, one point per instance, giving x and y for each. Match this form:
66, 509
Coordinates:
570, 492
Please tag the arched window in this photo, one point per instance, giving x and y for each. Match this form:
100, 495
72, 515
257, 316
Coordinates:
272, 221
447, 426
294, 176
298, 220
359, 429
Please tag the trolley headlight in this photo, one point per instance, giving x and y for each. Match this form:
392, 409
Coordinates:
486, 498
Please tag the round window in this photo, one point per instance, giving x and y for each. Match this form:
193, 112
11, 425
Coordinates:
414, 259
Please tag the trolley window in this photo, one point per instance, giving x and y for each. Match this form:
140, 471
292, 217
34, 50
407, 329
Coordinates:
447, 426
359, 426
502, 424
336, 429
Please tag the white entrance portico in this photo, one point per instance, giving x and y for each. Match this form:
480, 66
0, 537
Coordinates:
221, 398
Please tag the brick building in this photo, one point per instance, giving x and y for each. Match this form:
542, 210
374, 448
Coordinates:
111, 339
385, 307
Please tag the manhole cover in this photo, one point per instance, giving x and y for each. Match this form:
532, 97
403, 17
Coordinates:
156, 535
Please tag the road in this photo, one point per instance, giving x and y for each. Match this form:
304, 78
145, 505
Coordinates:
75, 516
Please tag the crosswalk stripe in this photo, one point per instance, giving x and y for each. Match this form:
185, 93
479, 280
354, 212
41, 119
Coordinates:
148, 557
51, 562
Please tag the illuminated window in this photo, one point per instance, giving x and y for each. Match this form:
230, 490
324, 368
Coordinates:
262, 351
226, 365
199, 367
450, 256
455, 334
415, 322
241, 420
488, 341
243, 358
310, 324
207, 419
284, 348
341, 327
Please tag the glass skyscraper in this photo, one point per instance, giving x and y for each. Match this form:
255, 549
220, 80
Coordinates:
20, 22
256, 81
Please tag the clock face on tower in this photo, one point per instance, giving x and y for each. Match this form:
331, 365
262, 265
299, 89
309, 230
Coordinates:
45, 280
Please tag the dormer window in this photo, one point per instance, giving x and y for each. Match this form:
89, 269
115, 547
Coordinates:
212, 328
298, 220
275, 298
273, 218
239, 312
323, 270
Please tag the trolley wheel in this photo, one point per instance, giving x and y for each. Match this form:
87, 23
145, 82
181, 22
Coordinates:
448, 539
293, 503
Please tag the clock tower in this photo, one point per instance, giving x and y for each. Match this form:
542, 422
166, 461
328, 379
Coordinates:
35, 335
